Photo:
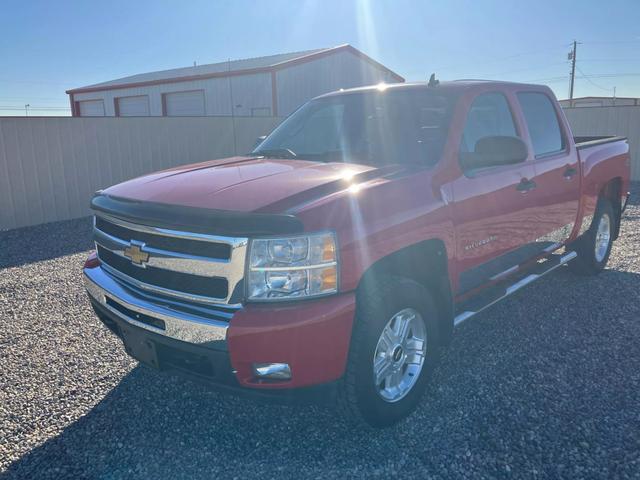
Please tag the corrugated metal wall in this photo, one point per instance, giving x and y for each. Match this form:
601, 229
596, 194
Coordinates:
248, 91
295, 85
50, 167
299, 83
623, 121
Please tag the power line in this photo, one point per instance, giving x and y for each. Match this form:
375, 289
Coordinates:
39, 82
548, 80
509, 72
592, 82
13, 107
509, 57
28, 97
613, 41
610, 60
613, 75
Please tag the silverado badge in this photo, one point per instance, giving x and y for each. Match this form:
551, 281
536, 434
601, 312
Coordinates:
135, 253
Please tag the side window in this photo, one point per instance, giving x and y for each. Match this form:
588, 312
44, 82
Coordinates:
488, 116
542, 121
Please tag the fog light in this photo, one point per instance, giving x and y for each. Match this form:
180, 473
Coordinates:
274, 371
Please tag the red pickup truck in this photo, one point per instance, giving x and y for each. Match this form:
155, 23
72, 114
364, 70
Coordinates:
337, 258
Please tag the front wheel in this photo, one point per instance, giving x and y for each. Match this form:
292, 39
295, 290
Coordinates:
394, 348
594, 247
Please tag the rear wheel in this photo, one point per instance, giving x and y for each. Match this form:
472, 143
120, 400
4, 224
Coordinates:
394, 348
594, 247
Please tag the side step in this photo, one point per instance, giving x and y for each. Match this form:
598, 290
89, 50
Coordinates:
494, 294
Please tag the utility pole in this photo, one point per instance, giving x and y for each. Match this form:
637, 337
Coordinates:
572, 57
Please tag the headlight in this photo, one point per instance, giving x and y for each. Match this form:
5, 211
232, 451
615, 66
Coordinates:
292, 267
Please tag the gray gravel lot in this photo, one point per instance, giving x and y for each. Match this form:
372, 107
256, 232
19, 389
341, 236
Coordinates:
544, 385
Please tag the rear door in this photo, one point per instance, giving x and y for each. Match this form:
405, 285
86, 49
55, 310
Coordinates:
556, 165
491, 206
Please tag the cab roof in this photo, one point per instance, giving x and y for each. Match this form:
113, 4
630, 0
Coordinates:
462, 84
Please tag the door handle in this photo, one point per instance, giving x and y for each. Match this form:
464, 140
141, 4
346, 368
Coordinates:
526, 185
569, 173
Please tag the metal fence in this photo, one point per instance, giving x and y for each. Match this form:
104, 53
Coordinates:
50, 167
617, 120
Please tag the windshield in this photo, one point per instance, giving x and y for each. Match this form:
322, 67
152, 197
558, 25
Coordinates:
372, 127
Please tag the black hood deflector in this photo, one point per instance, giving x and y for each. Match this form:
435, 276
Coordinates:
195, 219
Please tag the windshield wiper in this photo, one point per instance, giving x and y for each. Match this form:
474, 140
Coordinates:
276, 153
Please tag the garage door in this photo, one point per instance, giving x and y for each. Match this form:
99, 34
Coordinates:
91, 108
137, 106
180, 104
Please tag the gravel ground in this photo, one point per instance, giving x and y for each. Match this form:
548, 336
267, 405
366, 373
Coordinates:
544, 385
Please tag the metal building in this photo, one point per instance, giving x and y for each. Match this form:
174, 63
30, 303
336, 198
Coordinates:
600, 102
265, 86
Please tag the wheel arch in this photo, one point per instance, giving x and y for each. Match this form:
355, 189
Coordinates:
426, 263
611, 191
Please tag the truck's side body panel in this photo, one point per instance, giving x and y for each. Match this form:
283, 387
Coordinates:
376, 218
602, 164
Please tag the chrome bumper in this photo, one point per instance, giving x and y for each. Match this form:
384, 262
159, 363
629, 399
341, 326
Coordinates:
178, 325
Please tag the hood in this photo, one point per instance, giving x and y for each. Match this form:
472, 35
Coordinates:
246, 184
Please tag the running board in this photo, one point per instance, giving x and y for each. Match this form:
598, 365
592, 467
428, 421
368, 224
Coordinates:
495, 294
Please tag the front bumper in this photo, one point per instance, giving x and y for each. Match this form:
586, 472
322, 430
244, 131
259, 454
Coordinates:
179, 325
311, 336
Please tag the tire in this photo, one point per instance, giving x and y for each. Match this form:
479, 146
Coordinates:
594, 247
384, 305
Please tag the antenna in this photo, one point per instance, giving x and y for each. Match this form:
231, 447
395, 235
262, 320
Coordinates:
432, 81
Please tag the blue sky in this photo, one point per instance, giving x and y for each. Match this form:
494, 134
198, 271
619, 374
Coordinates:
47, 47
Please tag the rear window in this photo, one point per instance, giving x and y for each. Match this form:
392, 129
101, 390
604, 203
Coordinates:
544, 128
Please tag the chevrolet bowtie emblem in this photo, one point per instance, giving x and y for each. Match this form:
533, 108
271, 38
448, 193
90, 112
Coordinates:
136, 254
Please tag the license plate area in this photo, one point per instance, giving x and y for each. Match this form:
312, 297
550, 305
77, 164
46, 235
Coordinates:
165, 356
140, 317
139, 346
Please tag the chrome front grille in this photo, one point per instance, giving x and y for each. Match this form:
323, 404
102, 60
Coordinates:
184, 266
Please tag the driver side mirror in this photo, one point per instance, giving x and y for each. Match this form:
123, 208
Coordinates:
495, 151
